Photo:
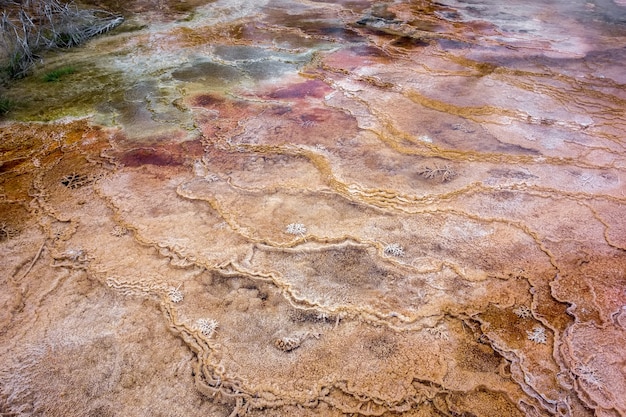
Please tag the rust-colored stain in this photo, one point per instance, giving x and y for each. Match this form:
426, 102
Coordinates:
309, 88
165, 155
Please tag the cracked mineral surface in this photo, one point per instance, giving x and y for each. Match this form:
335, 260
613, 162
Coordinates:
315, 208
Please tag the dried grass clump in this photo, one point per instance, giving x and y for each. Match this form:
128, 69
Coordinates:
29, 27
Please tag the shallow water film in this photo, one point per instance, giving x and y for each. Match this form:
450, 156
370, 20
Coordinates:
316, 208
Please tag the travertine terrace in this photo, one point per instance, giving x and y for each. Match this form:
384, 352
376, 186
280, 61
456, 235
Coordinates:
315, 208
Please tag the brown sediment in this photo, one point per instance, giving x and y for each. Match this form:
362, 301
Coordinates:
167, 10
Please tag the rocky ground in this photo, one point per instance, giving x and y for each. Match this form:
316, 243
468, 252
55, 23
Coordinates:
311, 208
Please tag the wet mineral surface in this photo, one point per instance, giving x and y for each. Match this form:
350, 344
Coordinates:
315, 208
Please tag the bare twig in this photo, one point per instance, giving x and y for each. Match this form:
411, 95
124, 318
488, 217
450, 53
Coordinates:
443, 173
34, 259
